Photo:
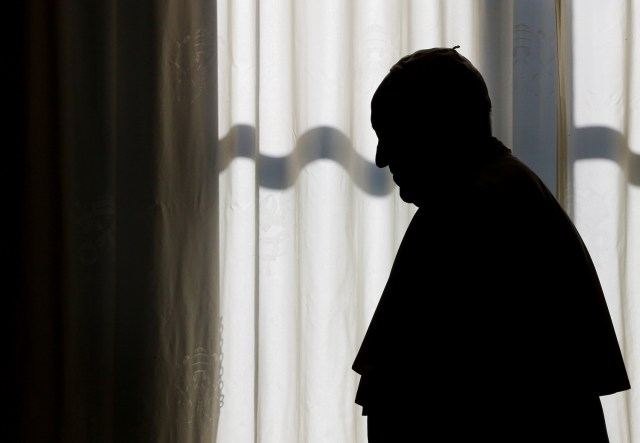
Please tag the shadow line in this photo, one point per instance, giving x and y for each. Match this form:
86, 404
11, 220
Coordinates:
606, 143
315, 144
331, 144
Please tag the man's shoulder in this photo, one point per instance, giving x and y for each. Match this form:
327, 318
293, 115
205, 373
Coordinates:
509, 177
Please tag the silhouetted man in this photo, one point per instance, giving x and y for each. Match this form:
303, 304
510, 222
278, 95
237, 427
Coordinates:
493, 326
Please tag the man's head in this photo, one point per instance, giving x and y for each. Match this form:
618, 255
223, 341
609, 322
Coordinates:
431, 106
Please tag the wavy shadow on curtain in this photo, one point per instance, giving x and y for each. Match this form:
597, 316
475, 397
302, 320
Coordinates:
605, 143
315, 144
330, 143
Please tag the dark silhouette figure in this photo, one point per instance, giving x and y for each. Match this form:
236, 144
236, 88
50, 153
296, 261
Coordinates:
493, 326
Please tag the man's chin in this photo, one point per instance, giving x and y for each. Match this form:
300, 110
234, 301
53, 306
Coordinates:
410, 197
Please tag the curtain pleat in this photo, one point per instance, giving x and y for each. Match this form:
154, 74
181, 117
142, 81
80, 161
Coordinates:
602, 177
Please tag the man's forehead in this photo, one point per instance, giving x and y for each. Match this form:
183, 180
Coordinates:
394, 114
428, 80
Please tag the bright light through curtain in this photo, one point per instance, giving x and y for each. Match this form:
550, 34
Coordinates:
309, 226
600, 49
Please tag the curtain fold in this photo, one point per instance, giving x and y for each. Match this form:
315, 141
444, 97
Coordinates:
601, 147
309, 226
118, 326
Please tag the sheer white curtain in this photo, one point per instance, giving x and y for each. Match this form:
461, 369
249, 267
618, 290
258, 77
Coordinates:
600, 149
309, 226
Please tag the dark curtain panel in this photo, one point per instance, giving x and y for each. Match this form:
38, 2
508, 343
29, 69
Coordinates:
116, 308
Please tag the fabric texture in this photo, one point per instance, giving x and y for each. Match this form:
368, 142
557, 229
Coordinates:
178, 265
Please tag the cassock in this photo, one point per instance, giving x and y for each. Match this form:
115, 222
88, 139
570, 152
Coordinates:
493, 317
